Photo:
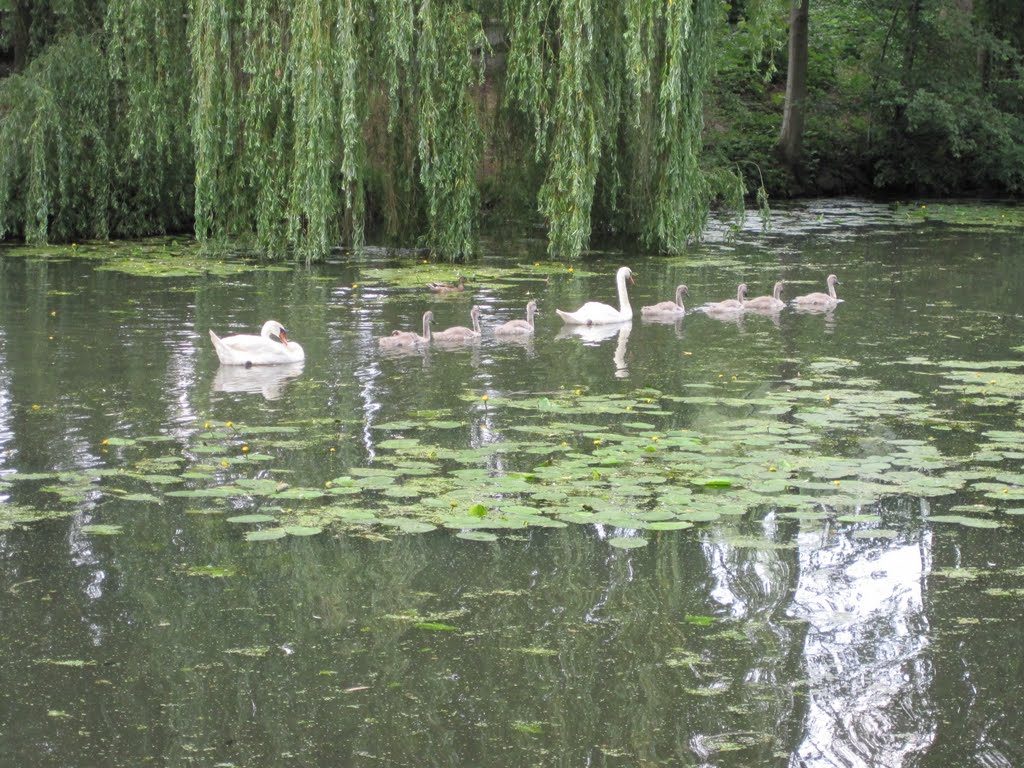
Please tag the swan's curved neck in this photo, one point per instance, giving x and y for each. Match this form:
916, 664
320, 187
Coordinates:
739, 294
624, 307
426, 327
679, 296
531, 310
831, 289
777, 293
475, 317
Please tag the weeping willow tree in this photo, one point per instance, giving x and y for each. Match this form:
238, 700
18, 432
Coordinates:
92, 137
297, 124
288, 97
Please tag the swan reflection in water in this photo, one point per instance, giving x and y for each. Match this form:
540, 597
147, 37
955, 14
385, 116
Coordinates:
594, 335
268, 380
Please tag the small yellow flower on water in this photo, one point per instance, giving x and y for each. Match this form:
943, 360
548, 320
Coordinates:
355, 285
224, 464
105, 442
577, 391
35, 407
74, 245
772, 469
206, 425
329, 484
835, 483
333, 449
245, 449
485, 398
228, 424
571, 270
597, 441
536, 263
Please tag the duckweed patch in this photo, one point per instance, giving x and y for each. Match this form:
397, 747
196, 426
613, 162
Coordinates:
152, 257
987, 215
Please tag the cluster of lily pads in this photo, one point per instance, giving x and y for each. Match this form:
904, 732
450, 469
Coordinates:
823, 449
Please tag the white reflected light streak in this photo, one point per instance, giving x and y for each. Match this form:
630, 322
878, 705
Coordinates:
867, 679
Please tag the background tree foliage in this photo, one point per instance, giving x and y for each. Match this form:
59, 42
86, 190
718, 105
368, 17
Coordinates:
299, 126
920, 97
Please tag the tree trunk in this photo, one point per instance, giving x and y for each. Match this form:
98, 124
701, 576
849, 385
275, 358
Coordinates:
20, 31
791, 137
910, 50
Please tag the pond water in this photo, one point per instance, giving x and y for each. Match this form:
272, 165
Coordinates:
790, 540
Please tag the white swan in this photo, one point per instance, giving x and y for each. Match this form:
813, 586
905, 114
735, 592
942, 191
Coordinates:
408, 338
519, 327
596, 313
271, 347
461, 332
729, 305
667, 308
771, 303
820, 300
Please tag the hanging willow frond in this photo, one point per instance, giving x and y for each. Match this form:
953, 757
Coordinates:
449, 130
290, 124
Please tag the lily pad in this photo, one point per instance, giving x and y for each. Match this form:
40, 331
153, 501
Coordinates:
627, 542
435, 626
669, 525
253, 518
102, 529
969, 522
408, 526
266, 534
252, 650
476, 536
211, 571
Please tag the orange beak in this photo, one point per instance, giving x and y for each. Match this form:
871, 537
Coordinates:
283, 336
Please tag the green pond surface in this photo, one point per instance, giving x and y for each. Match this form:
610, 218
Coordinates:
767, 540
